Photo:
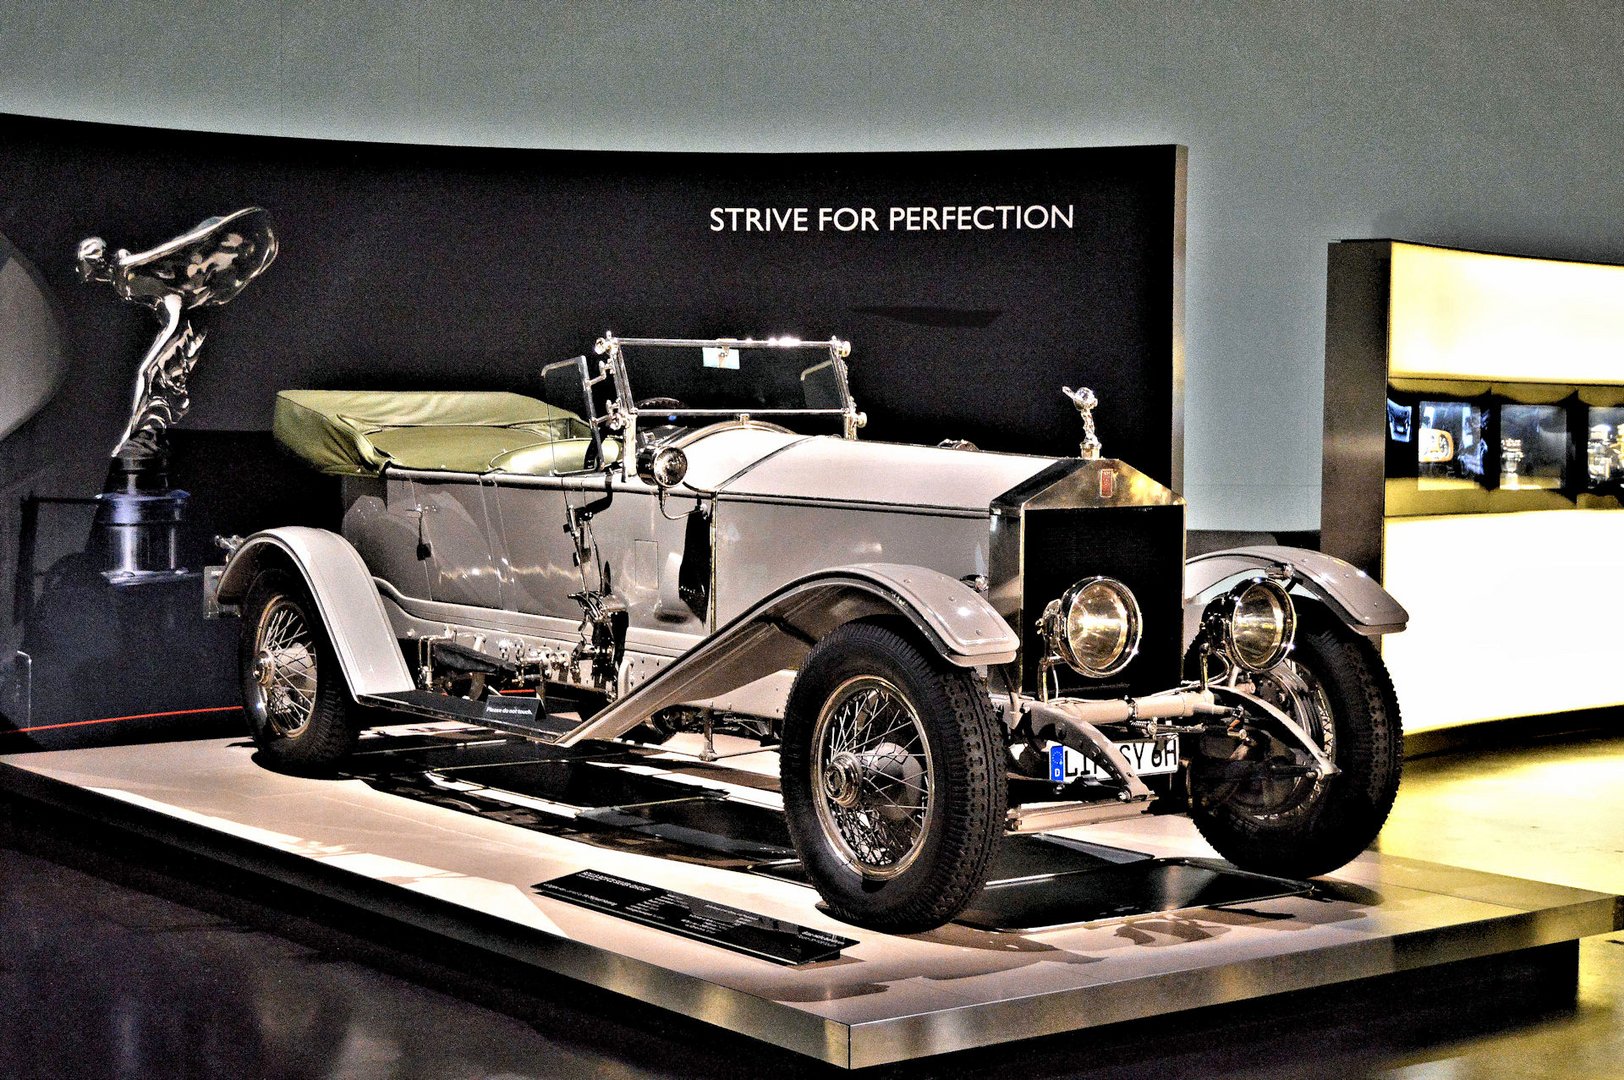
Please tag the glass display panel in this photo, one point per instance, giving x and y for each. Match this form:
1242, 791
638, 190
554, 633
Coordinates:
1450, 444
1533, 447
1400, 419
1604, 450
1497, 449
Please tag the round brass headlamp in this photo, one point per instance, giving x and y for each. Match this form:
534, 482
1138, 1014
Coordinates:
1259, 622
1095, 627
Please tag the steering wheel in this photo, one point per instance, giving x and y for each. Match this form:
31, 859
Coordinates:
655, 404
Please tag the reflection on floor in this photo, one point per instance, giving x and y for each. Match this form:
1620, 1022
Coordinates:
1552, 811
111, 965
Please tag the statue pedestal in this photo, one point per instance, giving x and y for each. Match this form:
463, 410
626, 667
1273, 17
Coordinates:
138, 518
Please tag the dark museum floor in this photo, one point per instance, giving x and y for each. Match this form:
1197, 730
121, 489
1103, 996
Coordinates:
130, 963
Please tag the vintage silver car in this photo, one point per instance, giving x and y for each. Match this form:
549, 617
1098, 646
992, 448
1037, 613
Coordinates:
944, 645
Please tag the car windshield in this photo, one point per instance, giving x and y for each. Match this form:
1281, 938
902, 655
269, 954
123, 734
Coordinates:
690, 382
731, 377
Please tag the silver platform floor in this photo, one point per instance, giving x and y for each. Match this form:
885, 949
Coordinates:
887, 998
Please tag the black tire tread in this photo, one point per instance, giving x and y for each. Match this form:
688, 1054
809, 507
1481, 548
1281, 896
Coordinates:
334, 727
1370, 753
949, 874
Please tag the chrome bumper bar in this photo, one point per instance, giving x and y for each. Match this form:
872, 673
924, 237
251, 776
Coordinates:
1172, 705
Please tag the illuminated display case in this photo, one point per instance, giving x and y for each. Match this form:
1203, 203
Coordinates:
1438, 442
1604, 450
1461, 447
1490, 505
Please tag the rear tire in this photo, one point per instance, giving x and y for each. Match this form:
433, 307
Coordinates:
1336, 687
893, 779
298, 706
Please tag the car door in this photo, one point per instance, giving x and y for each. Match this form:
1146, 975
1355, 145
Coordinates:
460, 539
536, 559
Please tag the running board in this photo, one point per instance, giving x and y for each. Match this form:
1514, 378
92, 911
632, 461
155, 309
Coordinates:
525, 716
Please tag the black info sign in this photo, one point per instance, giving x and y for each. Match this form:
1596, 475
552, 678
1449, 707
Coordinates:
691, 917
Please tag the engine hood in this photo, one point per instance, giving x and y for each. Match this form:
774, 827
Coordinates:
826, 468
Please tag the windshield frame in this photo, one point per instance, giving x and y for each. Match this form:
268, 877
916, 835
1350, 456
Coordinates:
621, 413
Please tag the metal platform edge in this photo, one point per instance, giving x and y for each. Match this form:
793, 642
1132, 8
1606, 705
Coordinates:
1271, 977
846, 1046
685, 995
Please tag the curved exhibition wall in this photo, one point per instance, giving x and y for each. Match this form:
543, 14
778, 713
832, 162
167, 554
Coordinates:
406, 266
1489, 126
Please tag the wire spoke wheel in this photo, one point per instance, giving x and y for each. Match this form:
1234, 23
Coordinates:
1294, 689
1283, 822
295, 698
872, 776
892, 769
285, 666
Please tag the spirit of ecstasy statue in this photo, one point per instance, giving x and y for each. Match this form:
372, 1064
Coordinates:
139, 514
205, 267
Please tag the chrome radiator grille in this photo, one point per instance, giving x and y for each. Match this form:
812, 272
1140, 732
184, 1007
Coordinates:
1066, 524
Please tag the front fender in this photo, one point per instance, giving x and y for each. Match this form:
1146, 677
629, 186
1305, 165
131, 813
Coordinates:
1351, 595
959, 621
777, 632
345, 596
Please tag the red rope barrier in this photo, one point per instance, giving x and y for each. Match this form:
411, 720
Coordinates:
134, 716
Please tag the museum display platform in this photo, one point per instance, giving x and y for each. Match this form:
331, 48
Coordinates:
667, 878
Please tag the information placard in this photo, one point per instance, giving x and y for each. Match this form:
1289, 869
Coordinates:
689, 916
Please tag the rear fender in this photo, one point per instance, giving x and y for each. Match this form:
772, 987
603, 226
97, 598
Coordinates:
781, 629
1346, 591
346, 600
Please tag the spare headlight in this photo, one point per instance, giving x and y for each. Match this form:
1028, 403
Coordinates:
1094, 627
665, 467
1257, 623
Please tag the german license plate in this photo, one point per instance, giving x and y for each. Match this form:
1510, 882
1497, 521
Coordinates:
1148, 757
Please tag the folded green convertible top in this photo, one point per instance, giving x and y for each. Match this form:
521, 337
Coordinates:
358, 432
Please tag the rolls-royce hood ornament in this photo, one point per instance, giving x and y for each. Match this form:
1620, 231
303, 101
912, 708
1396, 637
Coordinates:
206, 266
1085, 401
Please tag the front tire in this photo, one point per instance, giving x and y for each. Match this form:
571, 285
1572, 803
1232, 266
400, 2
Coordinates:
298, 707
893, 780
1336, 687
